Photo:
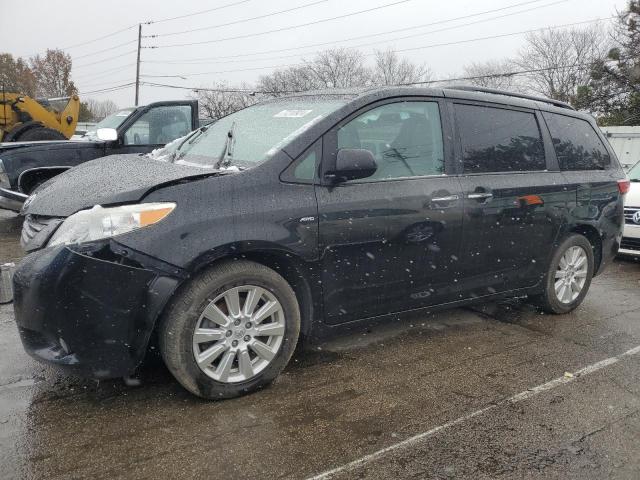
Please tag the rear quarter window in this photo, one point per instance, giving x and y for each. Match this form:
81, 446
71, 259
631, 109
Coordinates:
576, 143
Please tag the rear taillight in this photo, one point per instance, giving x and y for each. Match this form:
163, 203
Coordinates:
624, 185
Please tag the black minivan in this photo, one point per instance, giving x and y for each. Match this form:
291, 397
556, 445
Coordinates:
302, 213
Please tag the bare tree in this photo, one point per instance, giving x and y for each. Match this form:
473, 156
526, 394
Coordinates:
492, 74
53, 74
560, 61
335, 68
339, 68
16, 76
100, 109
292, 79
221, 100
390, 69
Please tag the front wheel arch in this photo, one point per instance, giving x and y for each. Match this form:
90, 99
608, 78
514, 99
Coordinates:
298, 272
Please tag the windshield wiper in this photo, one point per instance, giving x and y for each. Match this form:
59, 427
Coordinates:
190, 138
224, 160
199, 132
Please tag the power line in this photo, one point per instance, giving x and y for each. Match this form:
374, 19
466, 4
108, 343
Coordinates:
497, 75
82, 65
282, 29
86, 42
503, 35
249, 69
116, 87
100, 84
407, 84
105, 49
361, 36
458, 42
221, 90
425, 82
99, 38
382, 41
102, 72
110, 89
236, 22
196, 13
137, 81
130, 27
412, 48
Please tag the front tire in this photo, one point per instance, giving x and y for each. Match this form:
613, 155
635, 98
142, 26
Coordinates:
569, 276
231, 330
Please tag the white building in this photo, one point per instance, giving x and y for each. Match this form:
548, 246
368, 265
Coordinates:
625, 141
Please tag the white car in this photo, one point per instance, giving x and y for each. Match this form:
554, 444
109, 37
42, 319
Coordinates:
631, 237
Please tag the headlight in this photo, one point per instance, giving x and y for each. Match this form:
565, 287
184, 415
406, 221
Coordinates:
99, 222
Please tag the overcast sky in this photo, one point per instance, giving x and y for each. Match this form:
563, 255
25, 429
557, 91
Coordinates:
110, 61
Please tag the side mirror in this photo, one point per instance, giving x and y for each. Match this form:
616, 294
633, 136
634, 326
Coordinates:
107, 134
352, 164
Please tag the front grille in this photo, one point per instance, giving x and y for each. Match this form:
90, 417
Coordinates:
39, 228
629, 212
629, 243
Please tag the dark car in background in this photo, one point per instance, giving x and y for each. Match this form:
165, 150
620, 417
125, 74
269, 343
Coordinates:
26, 165
302, 214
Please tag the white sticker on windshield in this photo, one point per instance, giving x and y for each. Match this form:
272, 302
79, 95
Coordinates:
292, 113
124, 113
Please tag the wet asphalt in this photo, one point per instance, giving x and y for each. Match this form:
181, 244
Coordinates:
448, 378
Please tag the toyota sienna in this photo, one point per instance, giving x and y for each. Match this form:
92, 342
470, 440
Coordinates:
299, 214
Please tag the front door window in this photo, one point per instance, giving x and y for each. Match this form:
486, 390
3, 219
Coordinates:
405, 139
159, 126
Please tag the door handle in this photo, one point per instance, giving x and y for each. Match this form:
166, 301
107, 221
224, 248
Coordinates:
480, 195
450, 198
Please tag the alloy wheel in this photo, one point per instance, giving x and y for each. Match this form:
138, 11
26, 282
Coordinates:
571, 274
238, 334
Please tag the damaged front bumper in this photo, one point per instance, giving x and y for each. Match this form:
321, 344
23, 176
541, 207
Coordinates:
91, 310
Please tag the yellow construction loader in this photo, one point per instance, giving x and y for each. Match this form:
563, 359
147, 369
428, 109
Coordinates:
24, 119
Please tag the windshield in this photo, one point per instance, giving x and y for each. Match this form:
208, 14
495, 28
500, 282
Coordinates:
249, 136
634, 173
112, 121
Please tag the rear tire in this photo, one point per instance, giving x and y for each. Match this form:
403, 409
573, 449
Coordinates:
40, 134
568, 278
212, 338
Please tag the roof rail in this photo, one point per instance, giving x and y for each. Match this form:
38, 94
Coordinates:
494, 91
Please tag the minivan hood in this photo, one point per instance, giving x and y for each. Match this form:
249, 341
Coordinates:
107, 180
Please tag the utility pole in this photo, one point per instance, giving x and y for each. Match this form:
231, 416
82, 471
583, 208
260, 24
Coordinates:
138, 63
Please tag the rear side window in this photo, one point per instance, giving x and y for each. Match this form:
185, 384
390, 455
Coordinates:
499, 140
576, 143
